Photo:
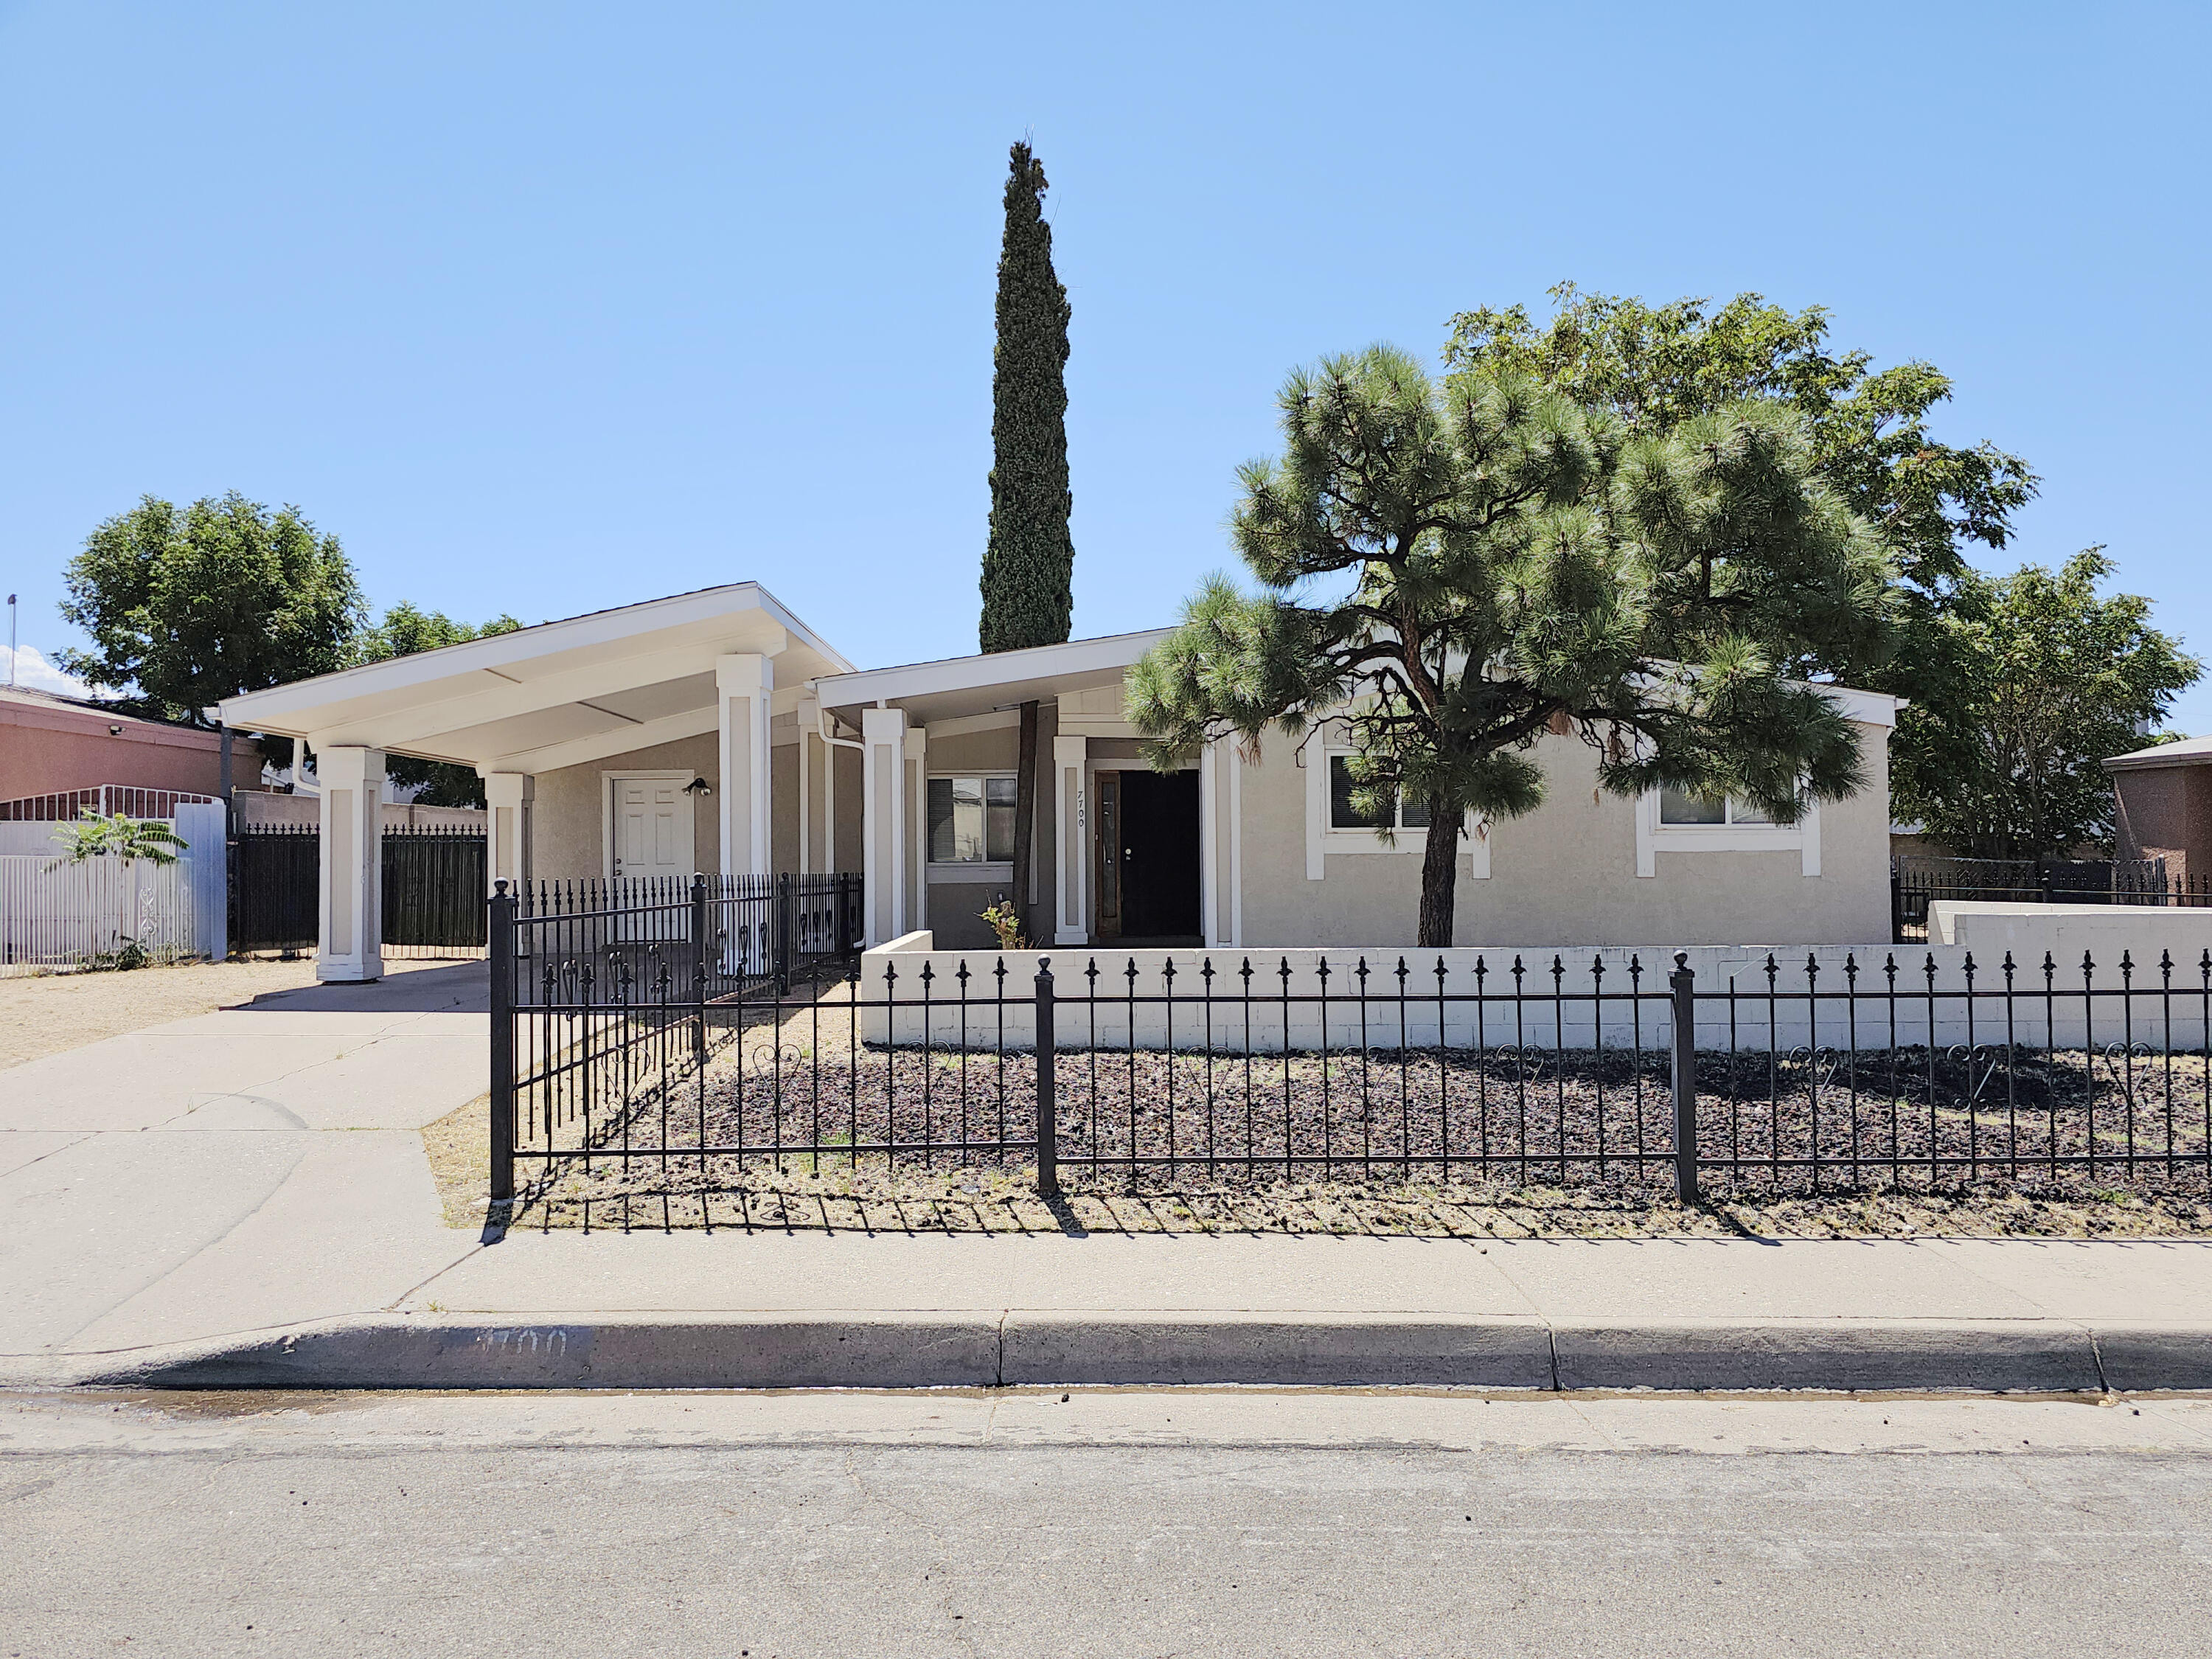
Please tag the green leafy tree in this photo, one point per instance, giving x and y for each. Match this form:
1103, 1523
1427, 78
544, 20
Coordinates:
1453, 570
1029, 561
92, 835
2065, 680
1656, 366
184, 608
405, 630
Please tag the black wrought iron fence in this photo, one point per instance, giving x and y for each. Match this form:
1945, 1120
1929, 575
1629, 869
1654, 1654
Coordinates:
606, 995
1916, 880
1828, 1074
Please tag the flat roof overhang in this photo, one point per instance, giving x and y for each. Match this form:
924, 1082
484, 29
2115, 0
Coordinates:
559, 693
2187, 751
957, 686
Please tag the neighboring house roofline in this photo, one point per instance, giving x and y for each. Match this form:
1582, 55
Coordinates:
2189, 751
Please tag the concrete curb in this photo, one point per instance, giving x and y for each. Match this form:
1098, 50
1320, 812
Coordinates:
986, 1349
1284, 1350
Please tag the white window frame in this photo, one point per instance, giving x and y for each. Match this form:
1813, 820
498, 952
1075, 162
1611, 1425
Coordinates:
977, 872
1653, 837
1324, 840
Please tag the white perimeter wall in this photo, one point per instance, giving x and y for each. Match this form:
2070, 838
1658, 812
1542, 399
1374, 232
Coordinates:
925, 985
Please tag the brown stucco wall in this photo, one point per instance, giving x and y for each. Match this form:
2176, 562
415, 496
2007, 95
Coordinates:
2166, 811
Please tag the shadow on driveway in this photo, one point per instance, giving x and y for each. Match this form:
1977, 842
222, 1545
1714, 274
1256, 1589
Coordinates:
459, 987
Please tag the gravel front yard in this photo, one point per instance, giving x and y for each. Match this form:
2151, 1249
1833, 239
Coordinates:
1504, 1144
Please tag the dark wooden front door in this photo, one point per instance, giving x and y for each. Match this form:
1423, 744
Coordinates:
1106, 862
1147, 855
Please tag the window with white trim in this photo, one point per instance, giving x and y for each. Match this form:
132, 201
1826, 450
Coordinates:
971, 820
1678, 807
1403, 813
1675, 820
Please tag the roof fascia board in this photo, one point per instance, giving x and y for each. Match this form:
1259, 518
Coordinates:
979, 672
1867, 708
2163, 757
275, 709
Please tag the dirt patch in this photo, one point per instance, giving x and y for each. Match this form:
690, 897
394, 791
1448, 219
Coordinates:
459, 1145
50, 1013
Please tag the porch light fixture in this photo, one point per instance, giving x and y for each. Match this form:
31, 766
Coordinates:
698, 787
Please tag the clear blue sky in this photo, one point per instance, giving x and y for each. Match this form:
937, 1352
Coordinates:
544, 308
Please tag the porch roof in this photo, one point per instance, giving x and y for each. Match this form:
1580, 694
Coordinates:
559, 693
979, 685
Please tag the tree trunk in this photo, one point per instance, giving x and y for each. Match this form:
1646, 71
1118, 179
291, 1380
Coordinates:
1440, 877
1025, 819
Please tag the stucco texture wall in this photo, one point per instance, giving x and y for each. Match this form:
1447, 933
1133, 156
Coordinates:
568, 825
46, 747
569, 821
955, 908
2166, 811
1566, 874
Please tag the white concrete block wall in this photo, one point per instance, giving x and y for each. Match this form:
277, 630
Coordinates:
1631, 1005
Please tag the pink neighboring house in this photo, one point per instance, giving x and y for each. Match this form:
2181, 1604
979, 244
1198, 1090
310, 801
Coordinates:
50, 743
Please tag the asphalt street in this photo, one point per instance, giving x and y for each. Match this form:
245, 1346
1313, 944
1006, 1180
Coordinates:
1025, 1525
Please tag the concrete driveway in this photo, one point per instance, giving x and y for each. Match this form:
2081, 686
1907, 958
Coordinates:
240, 1169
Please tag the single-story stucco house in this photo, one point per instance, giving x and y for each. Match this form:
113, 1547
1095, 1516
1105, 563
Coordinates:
715, 731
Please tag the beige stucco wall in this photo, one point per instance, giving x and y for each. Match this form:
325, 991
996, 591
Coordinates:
1566, 873
568, 821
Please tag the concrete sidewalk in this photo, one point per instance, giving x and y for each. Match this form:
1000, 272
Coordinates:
243, 1198
242, 1170
967, 1310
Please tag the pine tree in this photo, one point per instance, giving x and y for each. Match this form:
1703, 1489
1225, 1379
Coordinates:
1511, 563
1029, 561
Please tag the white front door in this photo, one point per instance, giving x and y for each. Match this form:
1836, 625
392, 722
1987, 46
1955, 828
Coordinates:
650, 834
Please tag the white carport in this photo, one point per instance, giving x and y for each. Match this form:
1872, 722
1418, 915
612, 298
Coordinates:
723, 660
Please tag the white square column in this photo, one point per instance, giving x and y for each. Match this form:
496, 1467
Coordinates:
1071, 862
351, 894
741, 684
883, 821
510, 800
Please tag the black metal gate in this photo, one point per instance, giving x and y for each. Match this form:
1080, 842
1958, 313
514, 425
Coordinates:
433, 889
274, 869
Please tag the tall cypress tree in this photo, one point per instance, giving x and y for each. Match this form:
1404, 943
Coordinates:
1029, 563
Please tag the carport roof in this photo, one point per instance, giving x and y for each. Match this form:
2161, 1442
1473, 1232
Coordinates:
560, 694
